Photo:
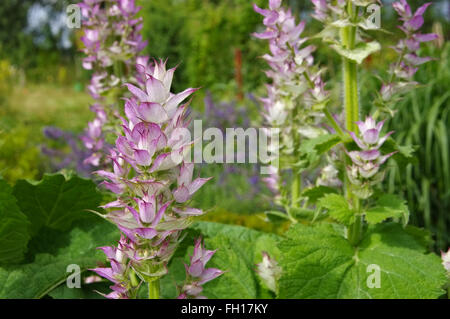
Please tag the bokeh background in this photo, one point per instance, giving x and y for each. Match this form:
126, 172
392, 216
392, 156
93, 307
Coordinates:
42, 85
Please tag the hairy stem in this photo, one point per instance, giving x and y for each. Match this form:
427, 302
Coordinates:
153, 289
296, 189
348, 38
355, 230
351, 95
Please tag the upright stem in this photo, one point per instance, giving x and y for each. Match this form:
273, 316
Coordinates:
348, 37
296, 185
296, 189
355, 230
351, 95
153, 289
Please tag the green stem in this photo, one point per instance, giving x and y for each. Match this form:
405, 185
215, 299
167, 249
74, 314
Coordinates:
153, 289
133, 278
351, 95
296, 189
356, 229
348, 38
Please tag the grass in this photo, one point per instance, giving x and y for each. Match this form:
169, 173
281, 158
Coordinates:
43, 105
24, 113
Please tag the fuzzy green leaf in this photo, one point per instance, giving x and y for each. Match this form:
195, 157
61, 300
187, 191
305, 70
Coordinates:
338, 208
56, 202
318, 262
311, 149
14, 235
404, 155
48, 270
315, 193
388, 206
359, 53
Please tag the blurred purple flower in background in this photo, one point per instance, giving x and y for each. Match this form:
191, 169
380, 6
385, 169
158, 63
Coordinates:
403, 71
73, 157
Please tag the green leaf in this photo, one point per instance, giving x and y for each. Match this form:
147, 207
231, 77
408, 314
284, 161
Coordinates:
388, 206
239, 281
277, 214
359, 53
338, 208
328, 34
315, 193
302, 214
86, 291
14, 225
318, 262
56, 202
49, 270
176, 276
311, 149
404, 155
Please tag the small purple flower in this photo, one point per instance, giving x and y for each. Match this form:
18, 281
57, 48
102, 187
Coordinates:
197, 274
365, 169
370, 132
119, 272
321, 10
269, 271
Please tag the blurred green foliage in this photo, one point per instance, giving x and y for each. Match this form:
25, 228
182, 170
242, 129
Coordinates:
203, 35
423, 120
23, 114
19, 156
38, 53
